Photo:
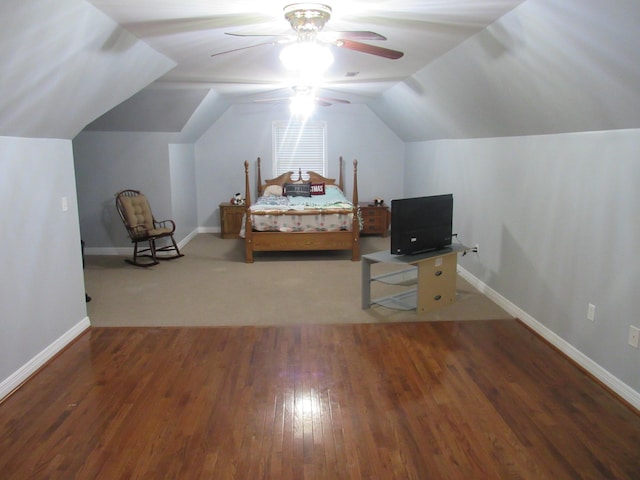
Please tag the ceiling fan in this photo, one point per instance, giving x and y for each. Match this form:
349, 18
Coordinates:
306, 91
308, 21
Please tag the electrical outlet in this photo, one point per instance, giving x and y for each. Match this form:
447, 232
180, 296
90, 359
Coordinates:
476, 248
634, 336
591, 312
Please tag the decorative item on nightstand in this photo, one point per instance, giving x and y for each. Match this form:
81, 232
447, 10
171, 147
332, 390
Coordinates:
376, 217
237, 200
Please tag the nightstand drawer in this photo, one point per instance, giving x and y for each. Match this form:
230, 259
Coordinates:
373, 221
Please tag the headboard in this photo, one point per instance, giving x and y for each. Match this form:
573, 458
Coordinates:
288, 177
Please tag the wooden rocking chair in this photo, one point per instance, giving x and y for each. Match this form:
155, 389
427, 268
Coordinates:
135, 212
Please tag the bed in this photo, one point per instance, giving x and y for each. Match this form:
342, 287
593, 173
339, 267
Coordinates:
301, 213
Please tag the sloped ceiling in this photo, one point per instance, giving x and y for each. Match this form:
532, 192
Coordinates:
65, 63
546, 67
163, 110
472, 68
190, 31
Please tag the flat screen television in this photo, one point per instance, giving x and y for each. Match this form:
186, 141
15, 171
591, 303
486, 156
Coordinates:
421, 224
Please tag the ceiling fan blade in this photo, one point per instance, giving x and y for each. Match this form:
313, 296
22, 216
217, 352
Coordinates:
371, 49
272, 100
329, 36
244, 48
286, 37
355, 35
334, 100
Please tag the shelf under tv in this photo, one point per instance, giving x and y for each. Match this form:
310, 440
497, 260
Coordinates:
431, 278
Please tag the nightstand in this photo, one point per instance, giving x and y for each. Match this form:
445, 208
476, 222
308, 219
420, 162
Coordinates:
231, 219
376, 219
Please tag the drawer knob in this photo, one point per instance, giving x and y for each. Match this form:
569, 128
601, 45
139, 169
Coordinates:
438, 273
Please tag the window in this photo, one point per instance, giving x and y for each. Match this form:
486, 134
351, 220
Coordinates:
298, 145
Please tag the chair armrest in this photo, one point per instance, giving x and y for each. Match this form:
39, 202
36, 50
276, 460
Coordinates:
165, 224
138, 231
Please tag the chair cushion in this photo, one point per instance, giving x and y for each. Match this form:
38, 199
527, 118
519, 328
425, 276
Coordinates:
156, 232
137, 211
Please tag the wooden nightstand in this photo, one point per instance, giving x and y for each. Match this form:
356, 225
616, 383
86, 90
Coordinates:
376, 220
231, 220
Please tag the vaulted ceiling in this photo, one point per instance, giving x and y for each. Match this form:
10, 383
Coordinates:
189, 32
470, 68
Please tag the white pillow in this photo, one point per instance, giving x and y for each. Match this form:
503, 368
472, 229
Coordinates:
273, 190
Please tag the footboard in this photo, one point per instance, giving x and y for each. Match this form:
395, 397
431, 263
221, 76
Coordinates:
302, 241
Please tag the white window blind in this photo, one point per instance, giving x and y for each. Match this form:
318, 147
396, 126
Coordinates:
298, 145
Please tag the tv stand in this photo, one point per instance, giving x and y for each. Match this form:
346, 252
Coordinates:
430, 276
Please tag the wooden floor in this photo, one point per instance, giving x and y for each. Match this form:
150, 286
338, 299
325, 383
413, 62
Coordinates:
467, 400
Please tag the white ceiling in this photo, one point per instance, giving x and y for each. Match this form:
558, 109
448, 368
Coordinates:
145, 66
190, 31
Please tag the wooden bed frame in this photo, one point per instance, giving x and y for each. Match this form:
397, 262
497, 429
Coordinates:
301, 241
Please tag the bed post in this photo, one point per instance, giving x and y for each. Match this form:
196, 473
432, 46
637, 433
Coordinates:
248, 232
259, 179
247, 188
355, 226
355, 182
340, 180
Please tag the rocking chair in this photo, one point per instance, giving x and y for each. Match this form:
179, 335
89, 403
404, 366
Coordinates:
135, 212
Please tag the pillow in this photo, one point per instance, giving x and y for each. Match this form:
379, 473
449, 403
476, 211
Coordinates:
317, 188
296, 189
274, 190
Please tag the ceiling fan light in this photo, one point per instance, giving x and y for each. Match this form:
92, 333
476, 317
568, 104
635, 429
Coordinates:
302, 105
307, 17
307, 58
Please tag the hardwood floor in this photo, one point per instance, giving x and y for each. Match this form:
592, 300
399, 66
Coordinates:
467, 400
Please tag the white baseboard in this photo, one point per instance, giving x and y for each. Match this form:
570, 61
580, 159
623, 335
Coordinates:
604, 376
32, 366
209, 230
128, 251
121, 251
182, 243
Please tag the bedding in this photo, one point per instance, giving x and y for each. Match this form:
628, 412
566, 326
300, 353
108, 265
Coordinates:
328, 212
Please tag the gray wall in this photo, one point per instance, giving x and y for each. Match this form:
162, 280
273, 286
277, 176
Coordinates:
107, 162
42, 294
184, 208
64, 64
556, 218
244, 133
182, 179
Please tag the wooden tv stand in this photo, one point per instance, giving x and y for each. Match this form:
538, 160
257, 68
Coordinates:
432, 273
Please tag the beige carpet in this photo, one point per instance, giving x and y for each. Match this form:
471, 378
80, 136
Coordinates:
211, 285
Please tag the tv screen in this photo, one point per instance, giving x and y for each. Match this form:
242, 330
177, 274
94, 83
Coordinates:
421, 224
